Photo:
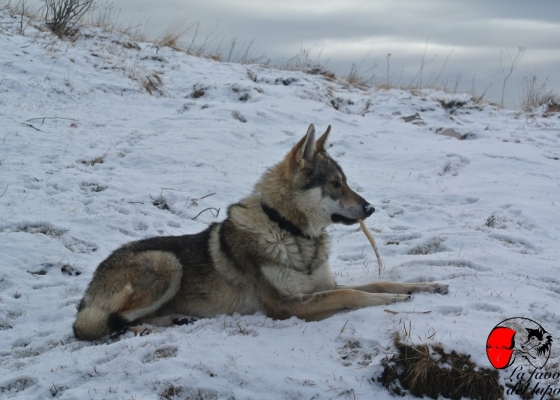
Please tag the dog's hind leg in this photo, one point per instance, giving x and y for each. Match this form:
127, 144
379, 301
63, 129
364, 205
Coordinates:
126, 287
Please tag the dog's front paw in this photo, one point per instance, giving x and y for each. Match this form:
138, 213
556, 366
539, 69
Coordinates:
436, 288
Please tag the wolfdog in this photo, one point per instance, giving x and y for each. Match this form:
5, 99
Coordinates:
269, 255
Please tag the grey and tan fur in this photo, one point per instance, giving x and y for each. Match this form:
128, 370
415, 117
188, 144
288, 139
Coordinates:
269, 255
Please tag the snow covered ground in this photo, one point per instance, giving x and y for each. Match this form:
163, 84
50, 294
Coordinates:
89, 160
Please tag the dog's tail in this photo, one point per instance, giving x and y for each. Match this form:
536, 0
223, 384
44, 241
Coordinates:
94, 323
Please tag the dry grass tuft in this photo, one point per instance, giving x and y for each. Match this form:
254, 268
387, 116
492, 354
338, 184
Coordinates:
535, 95
358, 78
177, 30
169, 39
553, 107
153, 84
93, 161
171, 392
427, 370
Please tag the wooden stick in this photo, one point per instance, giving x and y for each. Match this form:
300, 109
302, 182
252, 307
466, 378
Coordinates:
372, 241
206, 209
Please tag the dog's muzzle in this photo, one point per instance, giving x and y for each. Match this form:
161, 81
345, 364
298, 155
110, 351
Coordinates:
368, 210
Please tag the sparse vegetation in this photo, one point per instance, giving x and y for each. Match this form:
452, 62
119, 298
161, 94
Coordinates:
93, 161
61, 16
358, 78
427, 370
103, 15
160, 203
153, 84
513, 63
554, 107
198, 91
417, 82
433, 82
535, 95
176, 30
26, 13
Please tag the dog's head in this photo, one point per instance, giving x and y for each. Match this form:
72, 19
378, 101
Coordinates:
320, 185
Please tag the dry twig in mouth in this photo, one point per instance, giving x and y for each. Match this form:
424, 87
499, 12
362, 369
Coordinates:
372, 241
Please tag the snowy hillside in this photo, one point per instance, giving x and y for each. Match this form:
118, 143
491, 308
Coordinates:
89, 160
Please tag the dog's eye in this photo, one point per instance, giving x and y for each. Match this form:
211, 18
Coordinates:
336, 184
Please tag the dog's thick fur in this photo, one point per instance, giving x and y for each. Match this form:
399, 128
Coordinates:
270, 255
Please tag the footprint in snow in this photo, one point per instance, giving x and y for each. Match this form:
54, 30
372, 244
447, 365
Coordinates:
353, 353
46, 229
453, 165
78, 246
238, 116
430, 246
93, 187
139, 226
486, 307
161, 352
517, 244
450, 310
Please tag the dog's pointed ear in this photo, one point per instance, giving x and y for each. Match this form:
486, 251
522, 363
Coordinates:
322, 141
304, 151
302, 154
308, 151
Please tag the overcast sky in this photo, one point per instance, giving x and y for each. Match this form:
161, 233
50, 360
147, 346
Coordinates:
473, 33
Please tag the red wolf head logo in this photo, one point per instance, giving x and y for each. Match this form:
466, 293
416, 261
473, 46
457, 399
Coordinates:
518, 337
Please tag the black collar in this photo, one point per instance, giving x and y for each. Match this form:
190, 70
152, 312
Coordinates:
282, 222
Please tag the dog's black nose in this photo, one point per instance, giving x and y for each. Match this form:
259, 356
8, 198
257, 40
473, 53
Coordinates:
369, 209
